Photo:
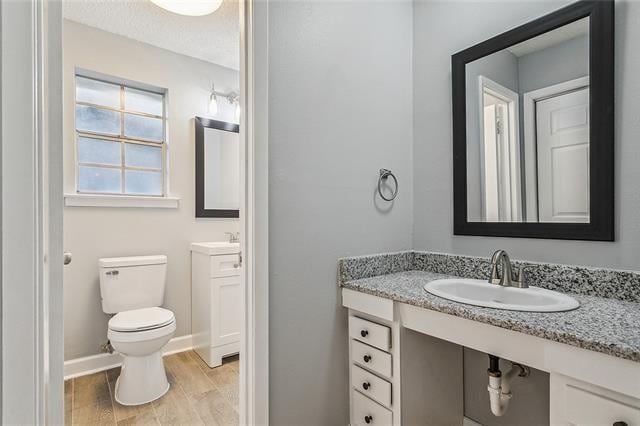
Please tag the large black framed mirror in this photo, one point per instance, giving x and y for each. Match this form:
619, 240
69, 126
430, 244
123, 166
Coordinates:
533, 135
217, 168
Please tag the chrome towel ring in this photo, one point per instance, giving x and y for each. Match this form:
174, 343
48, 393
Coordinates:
384, 175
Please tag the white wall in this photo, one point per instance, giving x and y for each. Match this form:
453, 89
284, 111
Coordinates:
339, 110
91, 233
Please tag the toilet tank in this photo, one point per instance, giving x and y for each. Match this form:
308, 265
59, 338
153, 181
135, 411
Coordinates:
128, 283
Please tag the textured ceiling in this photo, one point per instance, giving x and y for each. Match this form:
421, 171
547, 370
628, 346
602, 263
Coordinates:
567, 32
213, 38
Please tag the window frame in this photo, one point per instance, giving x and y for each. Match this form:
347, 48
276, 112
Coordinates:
121, 138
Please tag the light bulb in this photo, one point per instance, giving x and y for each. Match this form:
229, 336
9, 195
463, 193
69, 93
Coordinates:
189, 7
213, 104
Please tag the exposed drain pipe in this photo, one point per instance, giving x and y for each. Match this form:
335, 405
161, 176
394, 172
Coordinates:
500, 386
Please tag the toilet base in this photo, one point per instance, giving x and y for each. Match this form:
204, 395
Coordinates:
142, 379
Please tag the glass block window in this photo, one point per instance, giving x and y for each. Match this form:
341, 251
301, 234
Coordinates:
120, 139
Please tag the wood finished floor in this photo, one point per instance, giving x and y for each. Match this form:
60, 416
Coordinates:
199, 395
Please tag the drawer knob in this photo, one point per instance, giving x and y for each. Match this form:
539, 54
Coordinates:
620, 424
367, 358
366, 385
368, 419
364, 333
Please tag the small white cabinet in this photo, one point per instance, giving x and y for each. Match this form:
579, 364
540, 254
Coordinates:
216, 305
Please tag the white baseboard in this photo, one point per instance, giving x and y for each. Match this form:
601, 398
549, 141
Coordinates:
100, 362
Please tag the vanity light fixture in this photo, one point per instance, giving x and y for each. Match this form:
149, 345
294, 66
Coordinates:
213, 102
189, 7
232, 97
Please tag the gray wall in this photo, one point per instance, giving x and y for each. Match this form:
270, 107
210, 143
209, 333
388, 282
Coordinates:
556, 64
340, 109
501, 67
435, 39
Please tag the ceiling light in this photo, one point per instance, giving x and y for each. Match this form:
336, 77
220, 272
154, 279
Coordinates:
189, 7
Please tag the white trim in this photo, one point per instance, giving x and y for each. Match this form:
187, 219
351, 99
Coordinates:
513, 100
95, 200
530, 145
94, 363
254, 221
31, 269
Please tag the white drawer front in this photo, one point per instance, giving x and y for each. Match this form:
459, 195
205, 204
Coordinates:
371, 385
366, 412
226, 265
587, 408
371, 358
370, 333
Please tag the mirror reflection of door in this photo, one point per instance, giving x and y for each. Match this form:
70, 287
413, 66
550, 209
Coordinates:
562, 136
528, 130
501, 153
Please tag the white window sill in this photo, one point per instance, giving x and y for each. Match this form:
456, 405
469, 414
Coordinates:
95, 200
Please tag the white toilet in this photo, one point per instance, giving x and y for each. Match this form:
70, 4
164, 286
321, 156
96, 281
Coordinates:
133, 289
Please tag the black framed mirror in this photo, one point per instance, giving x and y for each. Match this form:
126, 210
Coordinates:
533, 135
217, 168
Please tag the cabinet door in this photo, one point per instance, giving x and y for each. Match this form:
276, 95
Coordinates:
578, 403
227, 310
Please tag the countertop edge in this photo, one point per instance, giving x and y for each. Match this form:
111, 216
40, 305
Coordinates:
564, 338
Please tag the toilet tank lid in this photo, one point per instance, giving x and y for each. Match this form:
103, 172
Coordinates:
117, 262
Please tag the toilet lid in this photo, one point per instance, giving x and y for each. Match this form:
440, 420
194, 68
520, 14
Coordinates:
141, 319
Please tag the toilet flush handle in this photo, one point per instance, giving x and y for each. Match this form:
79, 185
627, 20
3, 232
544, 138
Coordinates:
113, 272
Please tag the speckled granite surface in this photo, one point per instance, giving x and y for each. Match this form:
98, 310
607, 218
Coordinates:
601, 324
609, 283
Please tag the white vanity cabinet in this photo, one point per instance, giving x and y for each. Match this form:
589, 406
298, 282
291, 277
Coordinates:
216, 305
406, 368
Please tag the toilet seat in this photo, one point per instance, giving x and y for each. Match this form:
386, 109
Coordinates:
141, 320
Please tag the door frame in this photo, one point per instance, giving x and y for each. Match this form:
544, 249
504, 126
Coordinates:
513, 101
530, 142
32, 355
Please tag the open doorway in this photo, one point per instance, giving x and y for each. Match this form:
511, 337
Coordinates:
500, 153
152, 300
33, 206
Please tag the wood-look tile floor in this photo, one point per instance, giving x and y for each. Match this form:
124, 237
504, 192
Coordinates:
199, 395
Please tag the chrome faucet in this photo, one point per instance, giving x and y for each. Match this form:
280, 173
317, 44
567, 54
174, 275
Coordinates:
507, 278
234, 237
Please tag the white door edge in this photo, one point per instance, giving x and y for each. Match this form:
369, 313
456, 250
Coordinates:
254, 364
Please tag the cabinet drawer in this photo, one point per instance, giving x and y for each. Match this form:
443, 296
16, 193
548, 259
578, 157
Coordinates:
225, 265
371, 385
584, 407
366, 412
371, 333
371, 358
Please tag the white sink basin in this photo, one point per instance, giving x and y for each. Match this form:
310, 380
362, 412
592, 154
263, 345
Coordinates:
482, 293
216, 247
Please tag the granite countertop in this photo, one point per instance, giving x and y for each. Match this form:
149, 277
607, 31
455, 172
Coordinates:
600, 324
